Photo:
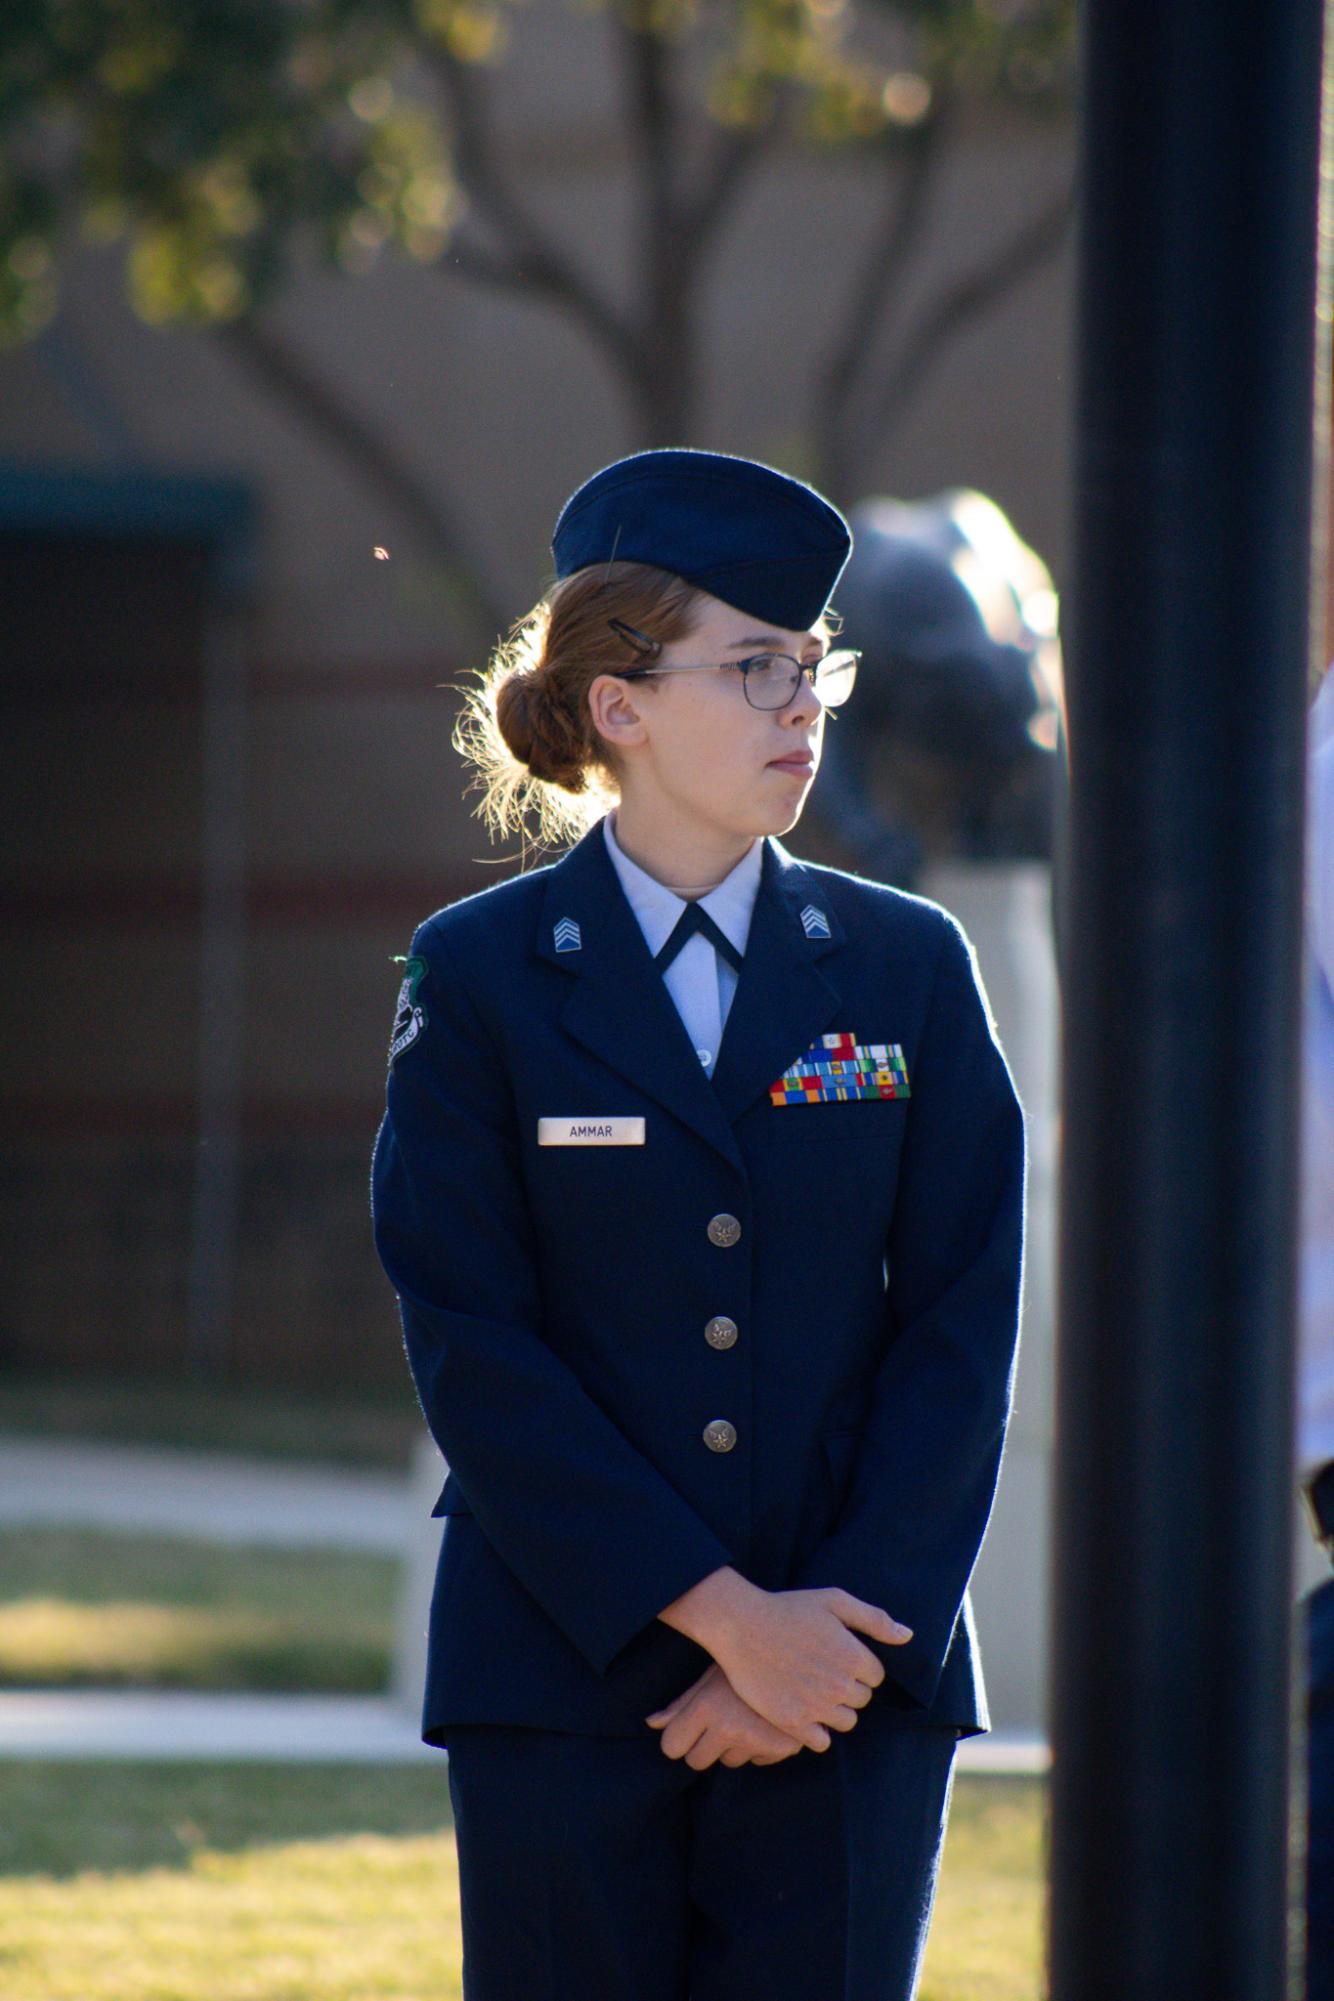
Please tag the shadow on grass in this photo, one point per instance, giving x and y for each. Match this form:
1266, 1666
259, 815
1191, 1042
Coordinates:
370, 1426
83, 1607
61, 1819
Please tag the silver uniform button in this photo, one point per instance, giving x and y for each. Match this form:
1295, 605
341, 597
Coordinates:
719, 1435
720, 1332
723, 1230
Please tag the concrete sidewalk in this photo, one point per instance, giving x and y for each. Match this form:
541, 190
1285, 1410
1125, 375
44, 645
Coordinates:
290, 1729
209, 1496
134, 1724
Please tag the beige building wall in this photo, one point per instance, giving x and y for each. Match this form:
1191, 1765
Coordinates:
357, 825
357, 821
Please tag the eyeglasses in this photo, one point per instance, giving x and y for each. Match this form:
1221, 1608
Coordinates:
769, 680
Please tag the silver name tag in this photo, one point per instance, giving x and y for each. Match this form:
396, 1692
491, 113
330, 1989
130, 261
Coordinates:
590, 1132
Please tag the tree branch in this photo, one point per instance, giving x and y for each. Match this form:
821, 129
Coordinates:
464, 257
533, 258
943, 320
913, 177
734, 152
281, 371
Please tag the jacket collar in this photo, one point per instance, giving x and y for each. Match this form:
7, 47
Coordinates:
619, 1008
658, 908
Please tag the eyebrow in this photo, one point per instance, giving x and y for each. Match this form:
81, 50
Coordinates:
773, 640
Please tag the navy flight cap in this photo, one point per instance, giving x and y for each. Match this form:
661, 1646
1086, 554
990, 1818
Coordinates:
753, 536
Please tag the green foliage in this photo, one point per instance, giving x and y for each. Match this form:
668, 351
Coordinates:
215, 135
221, 138
1017, 50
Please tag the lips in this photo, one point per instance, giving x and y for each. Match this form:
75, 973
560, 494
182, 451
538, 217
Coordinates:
799, 761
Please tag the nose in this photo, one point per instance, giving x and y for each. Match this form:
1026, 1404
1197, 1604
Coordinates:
805, 706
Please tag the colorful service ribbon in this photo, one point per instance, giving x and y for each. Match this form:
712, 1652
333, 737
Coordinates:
838, 1067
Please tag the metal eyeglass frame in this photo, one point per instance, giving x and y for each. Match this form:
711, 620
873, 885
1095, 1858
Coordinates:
841, 654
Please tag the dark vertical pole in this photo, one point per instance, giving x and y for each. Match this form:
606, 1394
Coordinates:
1172, 1614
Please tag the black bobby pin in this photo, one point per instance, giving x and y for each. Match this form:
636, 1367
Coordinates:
612, 558
634, 637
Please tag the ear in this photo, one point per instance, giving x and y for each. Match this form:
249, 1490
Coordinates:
614, 710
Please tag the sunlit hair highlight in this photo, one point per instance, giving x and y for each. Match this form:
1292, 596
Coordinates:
543, 770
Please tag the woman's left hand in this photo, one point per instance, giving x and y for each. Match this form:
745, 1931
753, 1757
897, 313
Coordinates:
710, 1722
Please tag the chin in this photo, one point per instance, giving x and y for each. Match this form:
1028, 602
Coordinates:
778, 819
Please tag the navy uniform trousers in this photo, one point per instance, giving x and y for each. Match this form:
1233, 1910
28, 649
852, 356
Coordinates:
600, 1869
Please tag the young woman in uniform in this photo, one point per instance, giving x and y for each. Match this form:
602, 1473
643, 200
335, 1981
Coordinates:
700, 1185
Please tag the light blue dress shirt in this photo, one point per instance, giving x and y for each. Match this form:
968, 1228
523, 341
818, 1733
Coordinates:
699, 980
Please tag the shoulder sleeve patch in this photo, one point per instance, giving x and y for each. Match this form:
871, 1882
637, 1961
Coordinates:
410, 1017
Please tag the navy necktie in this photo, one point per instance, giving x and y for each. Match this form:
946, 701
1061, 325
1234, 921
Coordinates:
692, 919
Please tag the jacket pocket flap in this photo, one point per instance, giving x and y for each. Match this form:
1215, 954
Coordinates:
451, 1499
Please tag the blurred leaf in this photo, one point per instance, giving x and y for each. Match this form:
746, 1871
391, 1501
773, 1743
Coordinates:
222, 138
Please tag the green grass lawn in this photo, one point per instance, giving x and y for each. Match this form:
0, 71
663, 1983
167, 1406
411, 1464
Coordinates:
361, 1428
254, 1882
81, 1607
986, 1932
318, 1883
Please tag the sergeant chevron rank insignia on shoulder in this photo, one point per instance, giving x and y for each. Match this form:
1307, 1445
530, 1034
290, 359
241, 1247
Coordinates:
410, 1019
814, 922
839, 1067
568, 937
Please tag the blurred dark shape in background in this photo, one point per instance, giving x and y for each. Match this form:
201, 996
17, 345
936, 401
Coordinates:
958, 749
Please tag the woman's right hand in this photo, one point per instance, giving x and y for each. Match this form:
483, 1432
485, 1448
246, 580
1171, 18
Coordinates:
793, 1656
708, 1721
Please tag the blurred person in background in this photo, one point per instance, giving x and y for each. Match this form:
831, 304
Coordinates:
959, 748
701, 1187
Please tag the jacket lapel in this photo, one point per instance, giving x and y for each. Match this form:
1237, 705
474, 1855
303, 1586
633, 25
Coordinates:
784, 999
618, 1006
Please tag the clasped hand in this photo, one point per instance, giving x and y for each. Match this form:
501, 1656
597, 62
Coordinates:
780, 1681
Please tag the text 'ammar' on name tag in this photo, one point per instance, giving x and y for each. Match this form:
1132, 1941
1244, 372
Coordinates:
590, 1132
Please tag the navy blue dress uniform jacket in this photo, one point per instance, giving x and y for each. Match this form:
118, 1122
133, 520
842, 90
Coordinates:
554, 1298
